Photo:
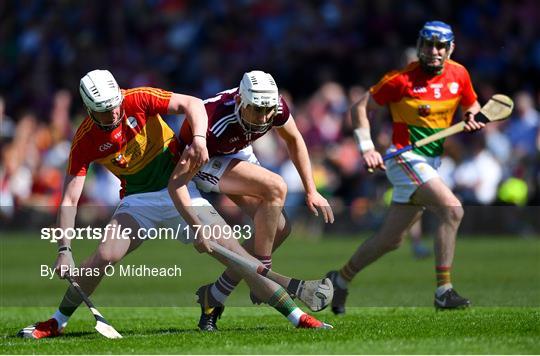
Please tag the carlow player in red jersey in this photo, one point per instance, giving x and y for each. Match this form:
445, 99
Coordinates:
422, 99
237, 117
125, 132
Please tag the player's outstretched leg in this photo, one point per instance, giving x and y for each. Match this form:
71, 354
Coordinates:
263, 288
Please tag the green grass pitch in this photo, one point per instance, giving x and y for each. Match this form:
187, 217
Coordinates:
390, 309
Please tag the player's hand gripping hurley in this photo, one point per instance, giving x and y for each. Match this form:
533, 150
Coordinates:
499, 107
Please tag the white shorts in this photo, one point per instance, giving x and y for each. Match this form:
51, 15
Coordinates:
408, 171
157, 210
207, 179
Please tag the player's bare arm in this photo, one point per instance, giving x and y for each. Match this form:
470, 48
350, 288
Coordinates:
182, 201
470, 123
73, 187
197, 154
360, 113
299, 156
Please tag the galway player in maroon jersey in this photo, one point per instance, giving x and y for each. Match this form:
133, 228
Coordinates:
125, 133
237, 117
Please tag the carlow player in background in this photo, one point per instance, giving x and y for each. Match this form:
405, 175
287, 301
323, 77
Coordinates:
125, 133
422, 99
237, 117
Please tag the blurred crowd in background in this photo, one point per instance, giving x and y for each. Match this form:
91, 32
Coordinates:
323, 54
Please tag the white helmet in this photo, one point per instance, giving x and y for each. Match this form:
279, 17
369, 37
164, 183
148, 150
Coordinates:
259, 89
100, 91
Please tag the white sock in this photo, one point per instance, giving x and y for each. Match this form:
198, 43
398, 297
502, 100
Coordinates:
441, 289
61, 319
341, 282
294, 316
220, 297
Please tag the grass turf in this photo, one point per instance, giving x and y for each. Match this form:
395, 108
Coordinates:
389, 306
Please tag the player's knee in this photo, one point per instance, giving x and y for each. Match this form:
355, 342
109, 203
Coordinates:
276, 190
105, 257
453, 214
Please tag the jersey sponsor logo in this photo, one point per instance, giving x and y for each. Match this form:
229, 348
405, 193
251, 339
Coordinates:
453, 87
419, 90
132, 122
104, 147
424, 110
234, 139
118, 134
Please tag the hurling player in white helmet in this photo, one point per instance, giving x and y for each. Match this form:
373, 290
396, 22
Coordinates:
258, 102
237, 117
422, 98
101, 94
115, 134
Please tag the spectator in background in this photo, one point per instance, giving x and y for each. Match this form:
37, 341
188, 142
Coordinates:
478, 176
15, 181
7, 126
522, 130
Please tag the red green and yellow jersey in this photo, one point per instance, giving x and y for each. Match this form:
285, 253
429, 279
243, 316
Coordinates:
422, 104
142, 151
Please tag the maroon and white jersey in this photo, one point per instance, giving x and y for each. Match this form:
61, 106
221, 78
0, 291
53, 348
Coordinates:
225, 134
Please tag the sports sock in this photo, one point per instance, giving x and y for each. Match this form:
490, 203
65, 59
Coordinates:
265, 260
294, 316
341, 282
70, 302
281, 301
223, 287
346, 274
442, 289
443, 275
61, 319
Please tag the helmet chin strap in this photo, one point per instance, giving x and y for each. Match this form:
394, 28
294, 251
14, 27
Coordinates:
108, 127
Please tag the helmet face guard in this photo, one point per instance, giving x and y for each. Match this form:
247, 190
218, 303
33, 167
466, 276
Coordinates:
106, 127
434, 34
251, 127
259, 91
